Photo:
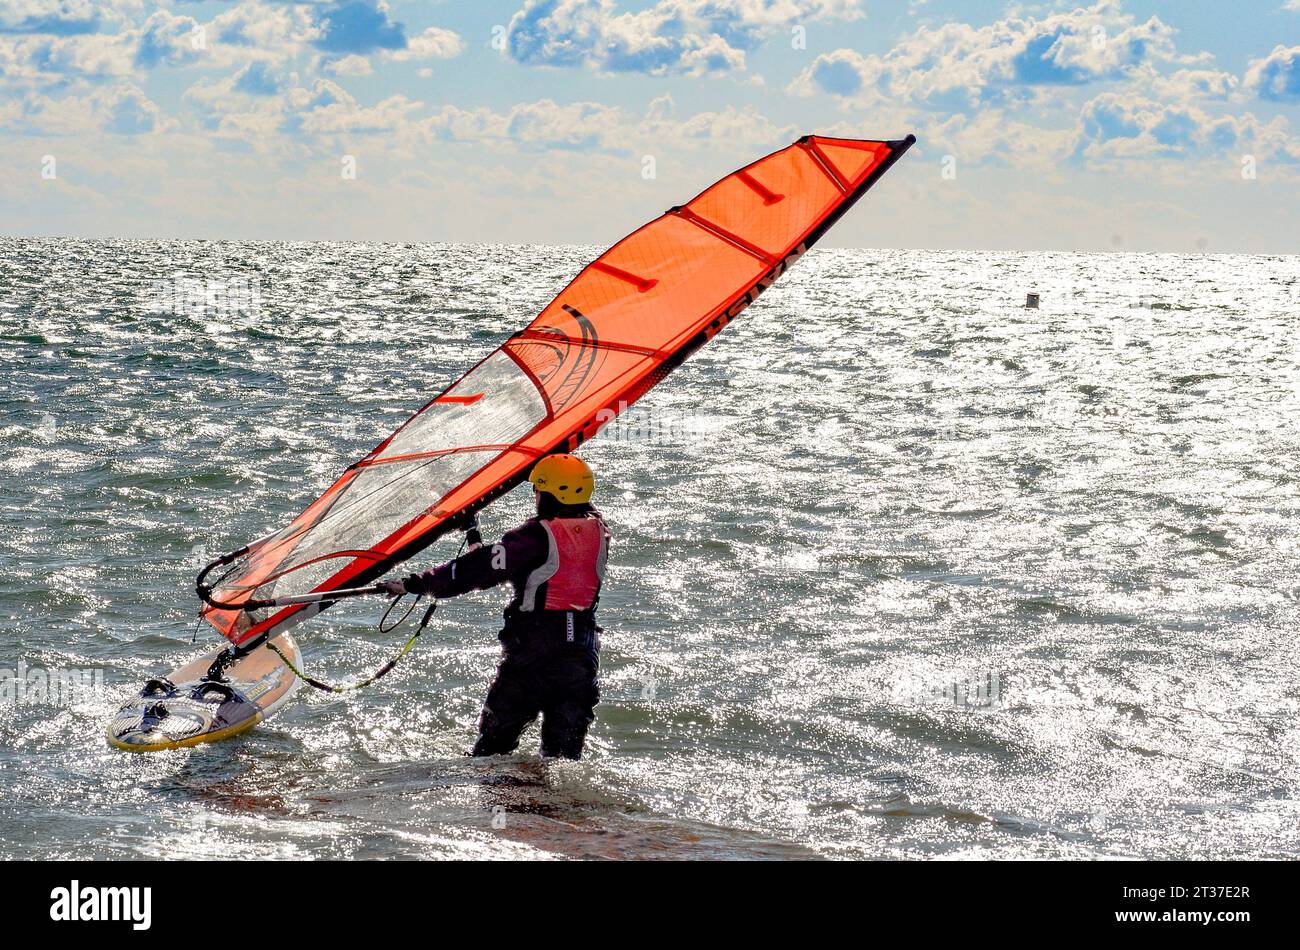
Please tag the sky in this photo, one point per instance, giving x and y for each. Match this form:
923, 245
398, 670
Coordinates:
1115, 125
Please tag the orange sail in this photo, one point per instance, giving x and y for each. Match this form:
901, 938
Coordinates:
623, 324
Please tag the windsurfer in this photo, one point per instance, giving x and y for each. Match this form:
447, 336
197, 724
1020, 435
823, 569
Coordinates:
550, 641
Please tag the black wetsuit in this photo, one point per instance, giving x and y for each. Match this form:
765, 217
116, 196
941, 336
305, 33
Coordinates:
550, 658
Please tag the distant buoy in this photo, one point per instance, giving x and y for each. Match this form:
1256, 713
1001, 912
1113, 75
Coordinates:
1031, 301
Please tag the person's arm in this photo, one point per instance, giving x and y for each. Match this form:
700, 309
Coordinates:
518, 551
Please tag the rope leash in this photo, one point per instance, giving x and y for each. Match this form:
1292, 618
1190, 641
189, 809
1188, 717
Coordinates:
379, 674
387, 667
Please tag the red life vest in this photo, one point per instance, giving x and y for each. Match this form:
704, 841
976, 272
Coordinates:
570, 578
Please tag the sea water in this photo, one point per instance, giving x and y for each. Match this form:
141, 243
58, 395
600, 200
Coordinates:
903, 568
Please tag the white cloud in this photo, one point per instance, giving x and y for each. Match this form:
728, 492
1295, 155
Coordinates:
48, 60
735, 129
1189, 84
990, 136
433, 43
1277, 76
1118, 127
166, 39
54, 55
60, 17
958, 65
346, 117
118, 108
128, 111
239, 108
592, 127
352, 65
543, 124
844, 73
258, 31
672, 37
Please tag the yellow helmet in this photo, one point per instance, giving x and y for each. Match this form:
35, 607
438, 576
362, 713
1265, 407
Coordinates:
567, 477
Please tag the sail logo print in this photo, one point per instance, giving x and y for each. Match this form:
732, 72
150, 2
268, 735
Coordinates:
74, 903
766, 281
